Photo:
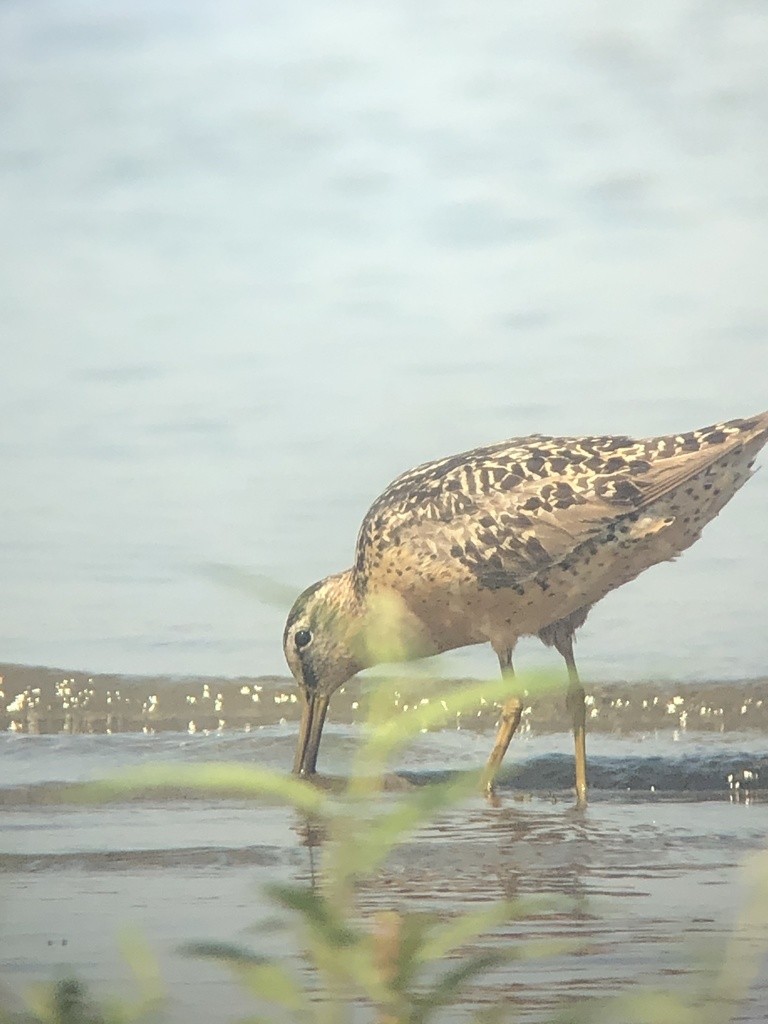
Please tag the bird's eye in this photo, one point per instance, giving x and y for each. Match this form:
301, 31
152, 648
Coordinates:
302, 638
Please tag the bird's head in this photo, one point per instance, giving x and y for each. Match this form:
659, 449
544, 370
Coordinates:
323, 647
331, 634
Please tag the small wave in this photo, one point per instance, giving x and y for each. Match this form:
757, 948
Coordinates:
645, 774
733, 774
724, 774
129, 860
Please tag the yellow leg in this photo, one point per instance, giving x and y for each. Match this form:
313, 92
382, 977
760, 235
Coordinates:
510, 719
575, 704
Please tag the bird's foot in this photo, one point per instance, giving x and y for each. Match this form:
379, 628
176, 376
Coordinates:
488, 788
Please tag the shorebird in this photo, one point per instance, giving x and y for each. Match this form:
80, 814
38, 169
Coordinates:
514, 539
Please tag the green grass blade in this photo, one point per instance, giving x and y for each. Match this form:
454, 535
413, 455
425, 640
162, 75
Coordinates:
214, 778
318, 914
261, 976
396, 731
464, 929
145, 968
375, 836
636, 1007
272, 983
450, 985
252, 584
227, 953
393, 732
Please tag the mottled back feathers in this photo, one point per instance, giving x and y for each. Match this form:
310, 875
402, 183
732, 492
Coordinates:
506, 512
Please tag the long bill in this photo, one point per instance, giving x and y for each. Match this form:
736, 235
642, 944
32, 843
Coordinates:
310, 731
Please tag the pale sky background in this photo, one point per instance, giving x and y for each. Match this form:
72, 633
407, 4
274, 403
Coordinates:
258, 259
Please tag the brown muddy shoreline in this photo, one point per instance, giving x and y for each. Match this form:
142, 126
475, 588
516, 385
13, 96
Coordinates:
43, 700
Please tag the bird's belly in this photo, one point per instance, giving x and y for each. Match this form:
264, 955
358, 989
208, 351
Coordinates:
474, 615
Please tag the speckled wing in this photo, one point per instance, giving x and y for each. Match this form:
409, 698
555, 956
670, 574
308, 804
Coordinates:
501, 514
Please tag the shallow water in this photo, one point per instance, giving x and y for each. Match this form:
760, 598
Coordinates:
643, 763
651, 878
650, 893
257, 263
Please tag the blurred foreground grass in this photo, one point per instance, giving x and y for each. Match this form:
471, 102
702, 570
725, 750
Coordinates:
405, 968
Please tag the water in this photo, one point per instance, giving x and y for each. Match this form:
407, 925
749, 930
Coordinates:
257, 263
653, 880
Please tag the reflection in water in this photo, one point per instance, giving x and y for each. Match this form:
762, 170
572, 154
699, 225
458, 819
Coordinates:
630, 892
635, 893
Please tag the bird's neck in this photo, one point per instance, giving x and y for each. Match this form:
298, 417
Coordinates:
385, 628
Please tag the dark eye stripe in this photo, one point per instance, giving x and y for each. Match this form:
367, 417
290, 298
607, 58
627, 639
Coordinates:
308, 673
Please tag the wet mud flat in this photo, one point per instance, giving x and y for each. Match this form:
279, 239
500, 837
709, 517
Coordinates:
45, 700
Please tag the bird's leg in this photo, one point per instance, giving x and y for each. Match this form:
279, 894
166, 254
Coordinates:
510, 719
575, 704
